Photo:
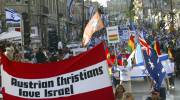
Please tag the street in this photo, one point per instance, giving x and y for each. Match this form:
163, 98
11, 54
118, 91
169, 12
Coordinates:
141, 89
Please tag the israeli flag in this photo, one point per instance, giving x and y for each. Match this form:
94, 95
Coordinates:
12, 15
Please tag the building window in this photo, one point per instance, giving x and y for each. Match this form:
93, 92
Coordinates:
26, 2
18, 1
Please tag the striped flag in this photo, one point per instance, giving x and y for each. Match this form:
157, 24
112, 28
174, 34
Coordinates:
12, 15
131, 43
145, 45
95, 24
113, 37
157, 47
170, 53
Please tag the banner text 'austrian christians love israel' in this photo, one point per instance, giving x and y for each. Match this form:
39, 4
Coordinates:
48, 88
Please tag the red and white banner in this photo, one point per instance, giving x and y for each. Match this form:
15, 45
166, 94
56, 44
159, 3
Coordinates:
83, 77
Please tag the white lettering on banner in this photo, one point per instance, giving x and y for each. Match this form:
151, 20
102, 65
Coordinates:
87, 79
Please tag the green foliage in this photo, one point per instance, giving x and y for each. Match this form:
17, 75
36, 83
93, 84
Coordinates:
131, 13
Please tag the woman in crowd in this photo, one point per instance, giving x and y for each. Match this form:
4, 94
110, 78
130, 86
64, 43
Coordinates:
128, 96
119, 92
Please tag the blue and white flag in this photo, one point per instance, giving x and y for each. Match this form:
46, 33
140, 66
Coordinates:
167, 64
138, 56
70, 7
12, 15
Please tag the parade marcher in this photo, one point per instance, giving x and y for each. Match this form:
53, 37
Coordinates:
67, 53
40, 57
154, 96
17, 56
115, 76
171, 75
9, 53
119, 92
1, 51
53, 57
33, 56
125, 77
163, 90
128, 96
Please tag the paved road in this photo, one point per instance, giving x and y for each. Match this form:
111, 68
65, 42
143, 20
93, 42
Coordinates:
141, 89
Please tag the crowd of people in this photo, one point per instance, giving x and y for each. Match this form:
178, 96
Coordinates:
15, 52
167, 41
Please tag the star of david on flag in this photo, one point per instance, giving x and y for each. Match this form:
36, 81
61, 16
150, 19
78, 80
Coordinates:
12, 15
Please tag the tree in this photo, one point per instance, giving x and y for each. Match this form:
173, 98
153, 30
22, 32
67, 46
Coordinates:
131, 12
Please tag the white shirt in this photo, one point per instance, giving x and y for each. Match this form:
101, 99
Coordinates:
125, 74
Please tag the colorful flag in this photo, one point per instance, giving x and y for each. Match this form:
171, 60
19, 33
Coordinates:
93, 25
145, 45
157, 47
170, 53
144, 33
154, 68
70, 7
131, 43
113, 37
77, 78
12, 15
110, 58
153, 64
